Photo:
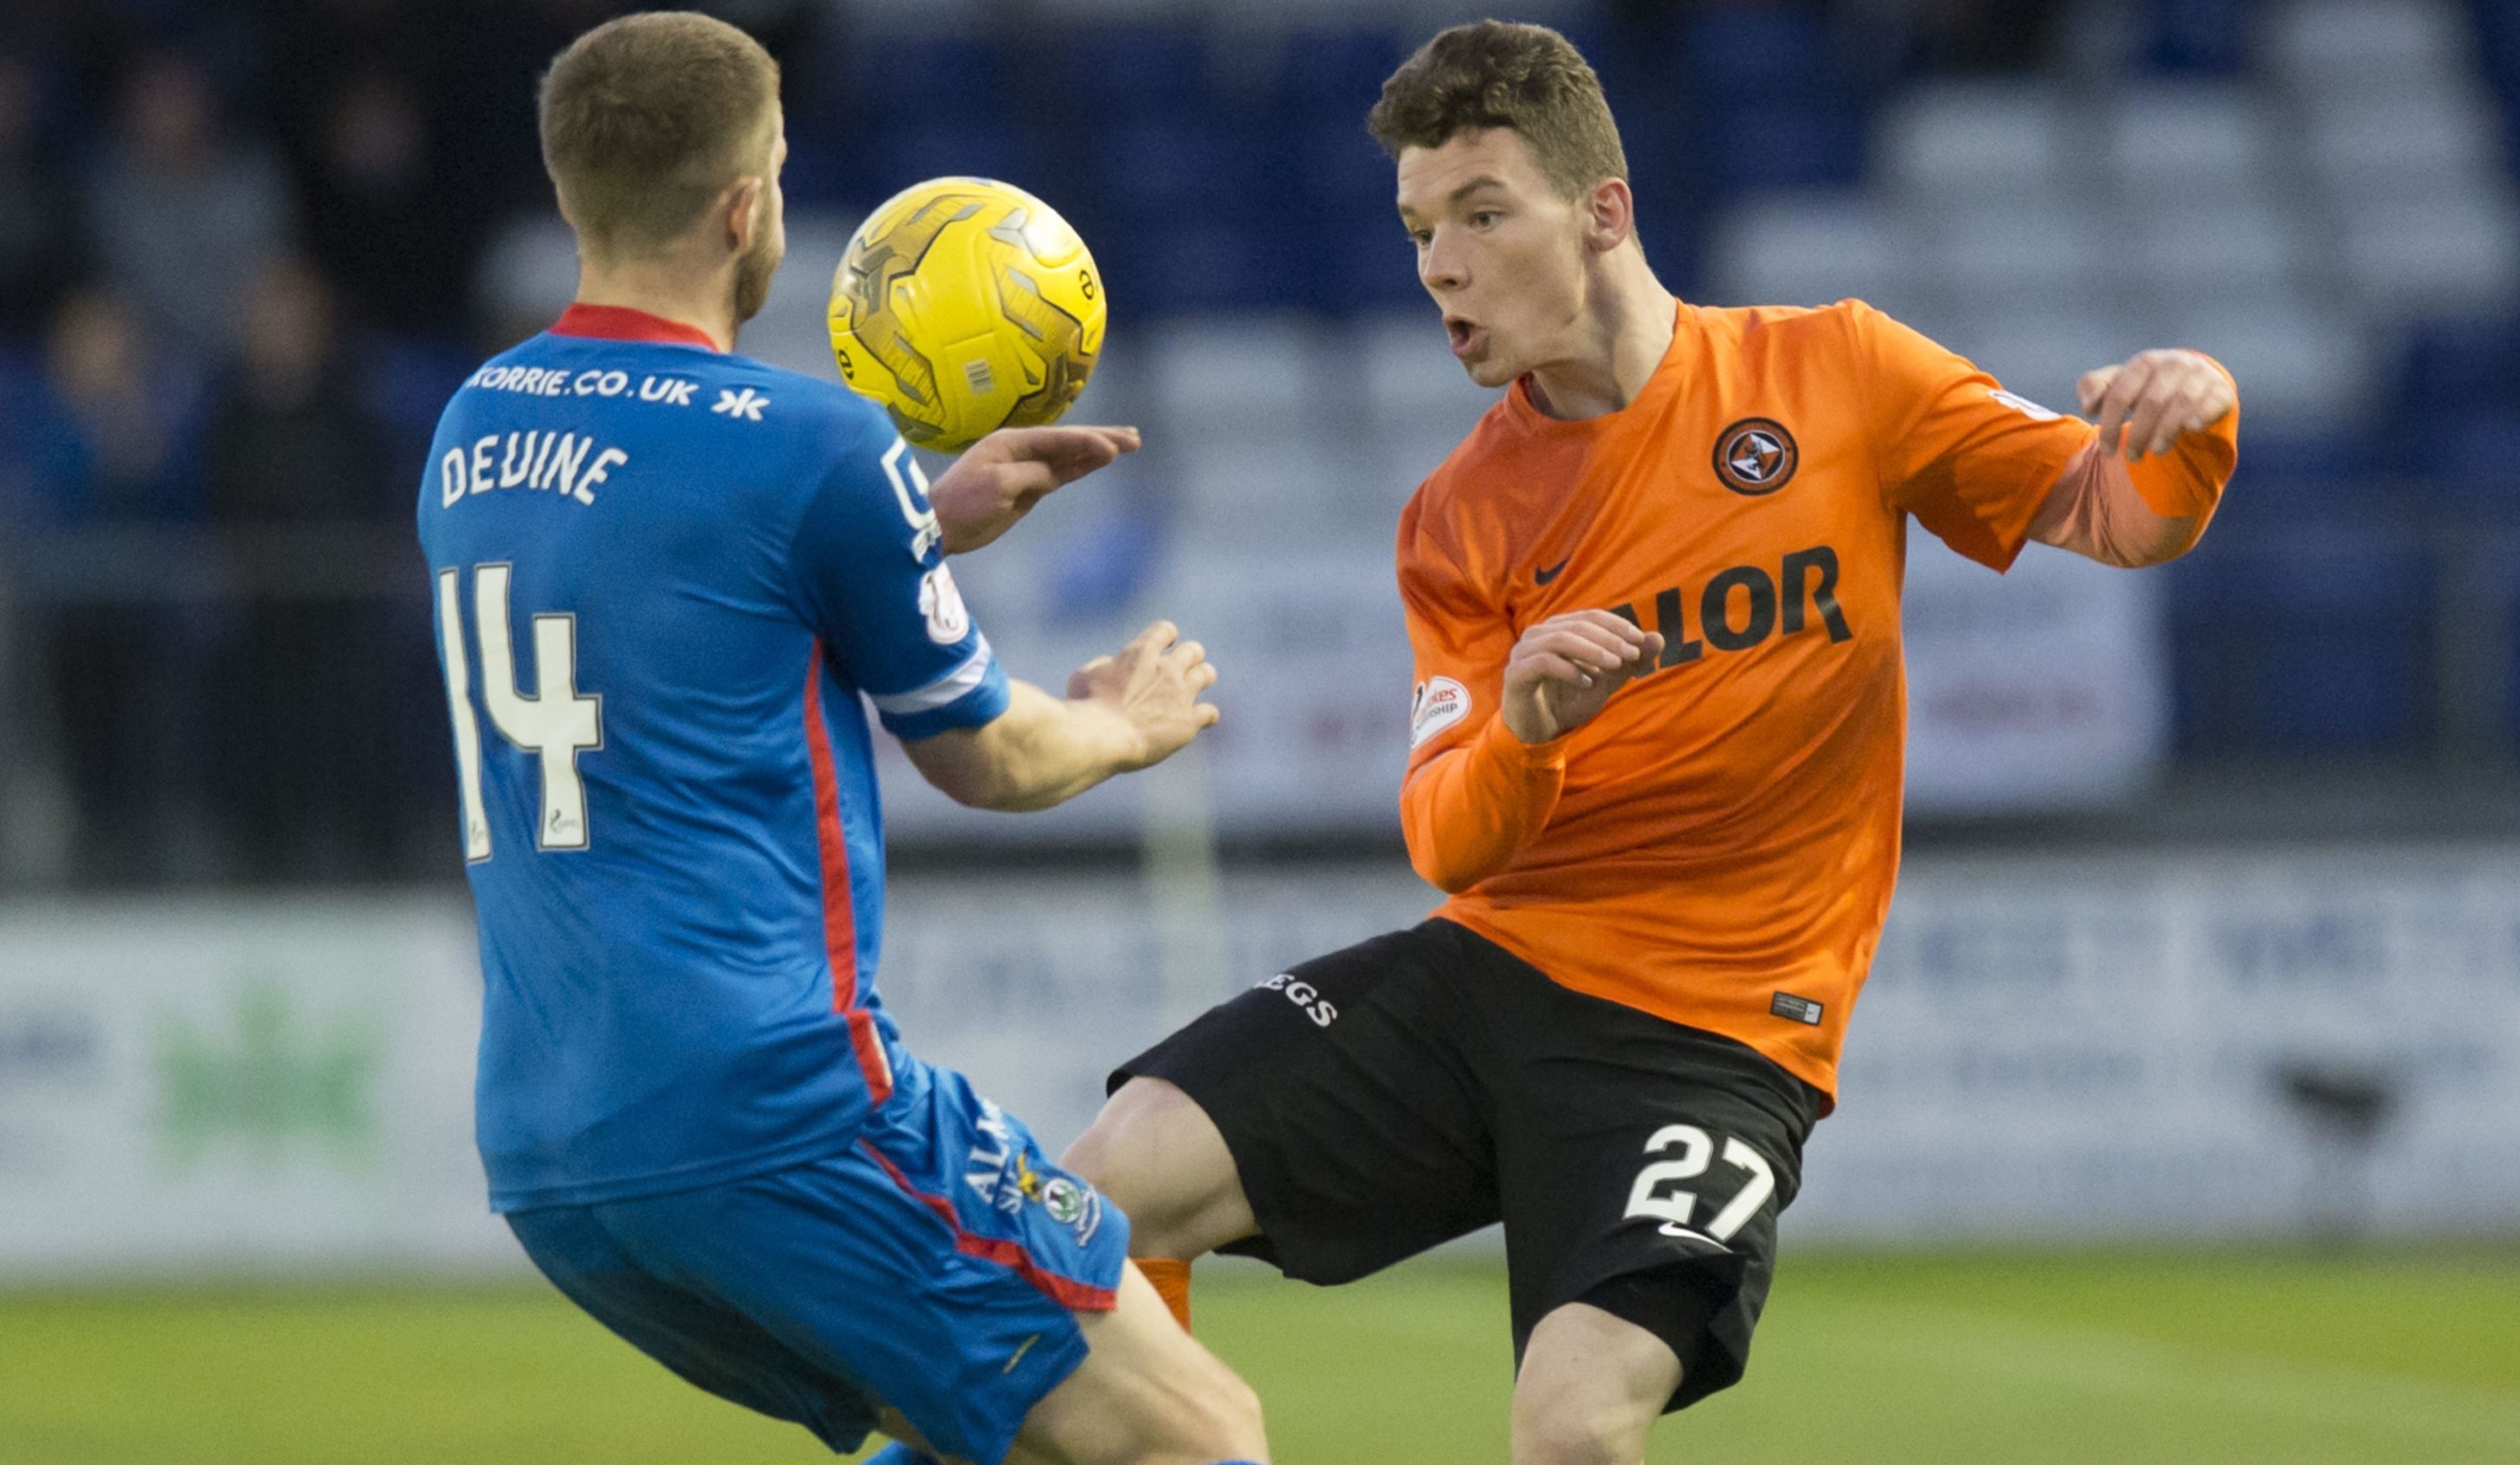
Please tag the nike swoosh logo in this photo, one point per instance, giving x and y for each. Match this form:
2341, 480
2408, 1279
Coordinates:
1544, 576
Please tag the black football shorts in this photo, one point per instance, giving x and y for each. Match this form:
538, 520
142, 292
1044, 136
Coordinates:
1422, 1084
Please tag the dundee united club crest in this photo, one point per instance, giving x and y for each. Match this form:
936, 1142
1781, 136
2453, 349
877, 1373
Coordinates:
1756, 456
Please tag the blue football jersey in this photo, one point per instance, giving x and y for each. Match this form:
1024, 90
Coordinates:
665, 577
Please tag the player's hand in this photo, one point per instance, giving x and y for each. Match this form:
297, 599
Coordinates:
1000, 477
1562, 672
2153, 398
1154, 684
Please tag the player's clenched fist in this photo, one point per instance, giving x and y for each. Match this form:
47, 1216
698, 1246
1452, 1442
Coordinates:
1154, 684
2153, 398
1563, 671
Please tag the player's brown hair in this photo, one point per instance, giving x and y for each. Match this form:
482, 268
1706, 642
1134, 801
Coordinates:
1493, 73
648, 118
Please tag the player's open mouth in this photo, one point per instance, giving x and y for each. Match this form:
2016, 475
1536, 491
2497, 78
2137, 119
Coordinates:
1465, 334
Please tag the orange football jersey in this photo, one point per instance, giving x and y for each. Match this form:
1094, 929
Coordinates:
1722, 849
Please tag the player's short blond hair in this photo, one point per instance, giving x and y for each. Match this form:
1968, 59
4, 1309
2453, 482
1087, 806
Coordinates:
648, 118
1498, 75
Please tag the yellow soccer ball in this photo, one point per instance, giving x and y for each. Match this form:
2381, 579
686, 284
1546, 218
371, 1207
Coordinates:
966, 305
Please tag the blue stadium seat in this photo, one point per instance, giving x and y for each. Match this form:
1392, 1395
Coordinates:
1135, 72
1759, 53
1153, 176
2478, 458
1359, 264
1339, 167
1201, 264
829, 167
2316, 640
900, 155
2194, 37
938, 79
1352, 254
1660, 136
2497, 29
2459, 365
21, 367
1780, 146
2511, 631
2287, 470
1334, 77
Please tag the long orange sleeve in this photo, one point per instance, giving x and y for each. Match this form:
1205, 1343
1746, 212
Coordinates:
1470, 810
2188, 482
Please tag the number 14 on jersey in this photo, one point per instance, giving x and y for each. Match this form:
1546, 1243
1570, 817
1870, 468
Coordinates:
558, 722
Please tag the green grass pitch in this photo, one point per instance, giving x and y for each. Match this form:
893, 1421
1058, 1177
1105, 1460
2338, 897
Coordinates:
2232, 1358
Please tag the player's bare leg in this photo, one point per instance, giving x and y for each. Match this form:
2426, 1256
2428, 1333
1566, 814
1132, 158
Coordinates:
1147, 1393
1156, 1155
1590, 1388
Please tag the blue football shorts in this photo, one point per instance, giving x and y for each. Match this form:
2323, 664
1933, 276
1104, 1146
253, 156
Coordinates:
935, 1266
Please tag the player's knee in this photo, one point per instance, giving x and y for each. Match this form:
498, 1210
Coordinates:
1100, 1158
1573, 1437
1589, 1390
1134, 1153
1095, 1155
1582, 1421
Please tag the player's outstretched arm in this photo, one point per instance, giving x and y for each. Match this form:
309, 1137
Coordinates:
1122, 712
2142, 491
2155, 398
1000, 477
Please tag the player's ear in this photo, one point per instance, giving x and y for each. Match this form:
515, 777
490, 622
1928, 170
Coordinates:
745, 216
1611, 215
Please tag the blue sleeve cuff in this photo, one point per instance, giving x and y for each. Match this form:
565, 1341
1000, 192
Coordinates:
972, 695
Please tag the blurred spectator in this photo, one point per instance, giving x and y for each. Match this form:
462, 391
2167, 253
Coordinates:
183, 214
501, 48
104, 440
378, 221
311, 45
299, 483
107, 436
42, 243
1989, 36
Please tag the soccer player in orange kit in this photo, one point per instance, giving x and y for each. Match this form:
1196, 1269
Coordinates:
1655, 759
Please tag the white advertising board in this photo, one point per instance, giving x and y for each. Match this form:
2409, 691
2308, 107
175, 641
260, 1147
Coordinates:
2051, 1049
239, 1086
2043, 688
2066, 1047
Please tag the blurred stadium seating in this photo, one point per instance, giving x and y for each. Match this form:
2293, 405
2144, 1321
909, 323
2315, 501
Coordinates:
2320, 192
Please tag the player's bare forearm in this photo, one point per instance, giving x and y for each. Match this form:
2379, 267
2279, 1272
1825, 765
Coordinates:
1123, 713
999, 479
1038, 753
2143, 491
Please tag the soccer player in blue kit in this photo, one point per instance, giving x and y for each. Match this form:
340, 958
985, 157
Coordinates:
665, 577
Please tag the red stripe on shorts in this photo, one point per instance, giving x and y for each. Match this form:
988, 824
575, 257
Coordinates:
1072, 1294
